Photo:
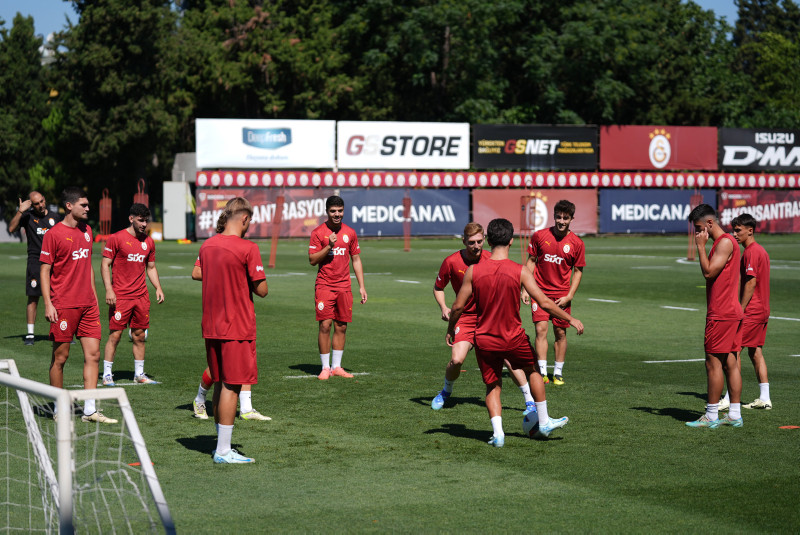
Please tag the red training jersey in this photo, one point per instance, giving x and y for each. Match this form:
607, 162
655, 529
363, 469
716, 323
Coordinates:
334, 270
722, 292
495, 289
69, 251
555, 258
755, 263
453, 270
129, 256
231, 266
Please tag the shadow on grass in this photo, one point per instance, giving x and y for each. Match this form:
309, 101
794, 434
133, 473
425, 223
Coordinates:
36, 337
698, 395
461, 431
451, 402
311, 369
682, 415
203, 443
190, 408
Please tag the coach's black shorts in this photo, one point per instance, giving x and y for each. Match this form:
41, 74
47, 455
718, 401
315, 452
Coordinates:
32, 286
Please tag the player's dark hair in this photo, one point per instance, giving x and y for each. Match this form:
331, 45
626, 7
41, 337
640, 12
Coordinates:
333, 200
701, 212
72, 194
744, 220
564, 207
140, 210
472, 228
499, 232
234, 206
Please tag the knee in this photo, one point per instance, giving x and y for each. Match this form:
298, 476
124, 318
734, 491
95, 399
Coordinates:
325, 327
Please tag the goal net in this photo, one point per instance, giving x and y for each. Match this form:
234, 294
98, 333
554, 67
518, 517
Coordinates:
69, 476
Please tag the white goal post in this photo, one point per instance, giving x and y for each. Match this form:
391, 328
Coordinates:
84, 482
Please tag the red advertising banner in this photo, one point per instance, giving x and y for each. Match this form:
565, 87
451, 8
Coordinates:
303, 210
488, 204
658, 147
775, 211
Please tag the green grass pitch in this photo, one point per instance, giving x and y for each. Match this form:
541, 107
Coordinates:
369, 455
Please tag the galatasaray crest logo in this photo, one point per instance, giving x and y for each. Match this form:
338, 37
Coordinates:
63, 325
320, 305
117, 315
86, 235
52, 221
457, 329
534, 305
33, 283
144, 246
660, 149
345, 238
566, 248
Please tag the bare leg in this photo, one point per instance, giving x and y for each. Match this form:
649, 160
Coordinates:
137, 335
734, 376
759, 364
458, 354
560, 343
111, 346
57, 361
226, 398
339, 335
91, 361
715, 376
30, 310
493, 402
324, 338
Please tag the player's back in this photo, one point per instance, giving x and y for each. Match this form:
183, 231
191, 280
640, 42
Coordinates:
495, 289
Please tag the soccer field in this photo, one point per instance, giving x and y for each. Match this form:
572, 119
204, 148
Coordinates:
368, 453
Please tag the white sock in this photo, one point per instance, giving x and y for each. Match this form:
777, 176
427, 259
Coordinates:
526, 392
337, 358
558, 368
712, 411
326, 360
735, 411
89, 407
201, 395
30, 328
726, 397
224, 434
764, 391
138, 367
448, 385
541, 408
497, 426
107, 367
246, 401
543, 367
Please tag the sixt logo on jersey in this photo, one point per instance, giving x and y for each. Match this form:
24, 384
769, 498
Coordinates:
80, 253
553, 259
338, 251
135, 257
267, 138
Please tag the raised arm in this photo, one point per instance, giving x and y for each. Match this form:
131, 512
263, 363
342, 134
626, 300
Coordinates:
712, 268
13, 225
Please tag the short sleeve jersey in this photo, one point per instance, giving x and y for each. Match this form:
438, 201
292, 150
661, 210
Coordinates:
334, 270
495, 289
129, 257
35, 229
722, 292
230, 266
755, 263
453, 270
69, 251
555, 259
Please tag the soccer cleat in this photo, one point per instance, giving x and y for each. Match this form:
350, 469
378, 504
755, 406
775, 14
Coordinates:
254, 415
324, 375
108, 380
497, 441
759, 404
199, 410
98, 417
338, 371
144, 380
724, 404
545, 378
232, 457
727, 420
703, 421
558, 380
530, 406
29, 340
551, 425
439, 400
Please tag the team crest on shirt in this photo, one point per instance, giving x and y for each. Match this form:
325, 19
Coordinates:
345, 238
144, 246
117, 315
457, 329
63, 325
33, 283
566, 248
534, 306
320, 305
52, 222
86, 235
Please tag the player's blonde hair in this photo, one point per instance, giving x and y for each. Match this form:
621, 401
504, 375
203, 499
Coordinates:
234, 206
471, 229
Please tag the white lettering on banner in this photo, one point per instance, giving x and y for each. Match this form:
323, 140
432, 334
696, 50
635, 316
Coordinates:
135, 258
80, 253
425, 213
774, 138
742, 155
649, 212
402, 145
762, 212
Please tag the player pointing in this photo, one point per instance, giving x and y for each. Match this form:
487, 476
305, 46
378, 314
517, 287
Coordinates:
333, 244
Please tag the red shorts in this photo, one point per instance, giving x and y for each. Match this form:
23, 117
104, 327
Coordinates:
754, 333
723, 336
540, 314
333, 303
80, 322
465, 328
232, 361
491, 362
134, 311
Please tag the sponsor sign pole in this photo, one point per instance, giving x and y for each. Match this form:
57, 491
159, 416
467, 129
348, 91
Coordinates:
694, 202
407, 223
276, 230
105, 216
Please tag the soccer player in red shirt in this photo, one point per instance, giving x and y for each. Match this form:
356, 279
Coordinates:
331, 247
556, 258
129, 253
494, 285
231, 270
70, 297
452, 271
754, 298
723, 338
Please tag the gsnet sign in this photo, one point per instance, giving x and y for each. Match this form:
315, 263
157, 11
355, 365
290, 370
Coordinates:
257, 143
762, 149
500, 146
398, 145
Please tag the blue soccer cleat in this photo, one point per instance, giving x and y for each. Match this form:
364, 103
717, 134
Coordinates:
438, 401
497, 441
703, 421
232, 457
727, 420
551, 425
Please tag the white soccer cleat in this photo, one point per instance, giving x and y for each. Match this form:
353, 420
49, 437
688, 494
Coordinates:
98, 417
199, 410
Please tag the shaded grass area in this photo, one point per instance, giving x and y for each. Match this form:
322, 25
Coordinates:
368, 454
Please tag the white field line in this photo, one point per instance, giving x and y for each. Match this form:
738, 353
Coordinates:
780, 318
407, 282
603, 300
314, 376
100, 385
794, 355
679, 308
669, 361
176, 267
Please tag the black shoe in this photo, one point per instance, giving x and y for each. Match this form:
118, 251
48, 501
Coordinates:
29, 340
